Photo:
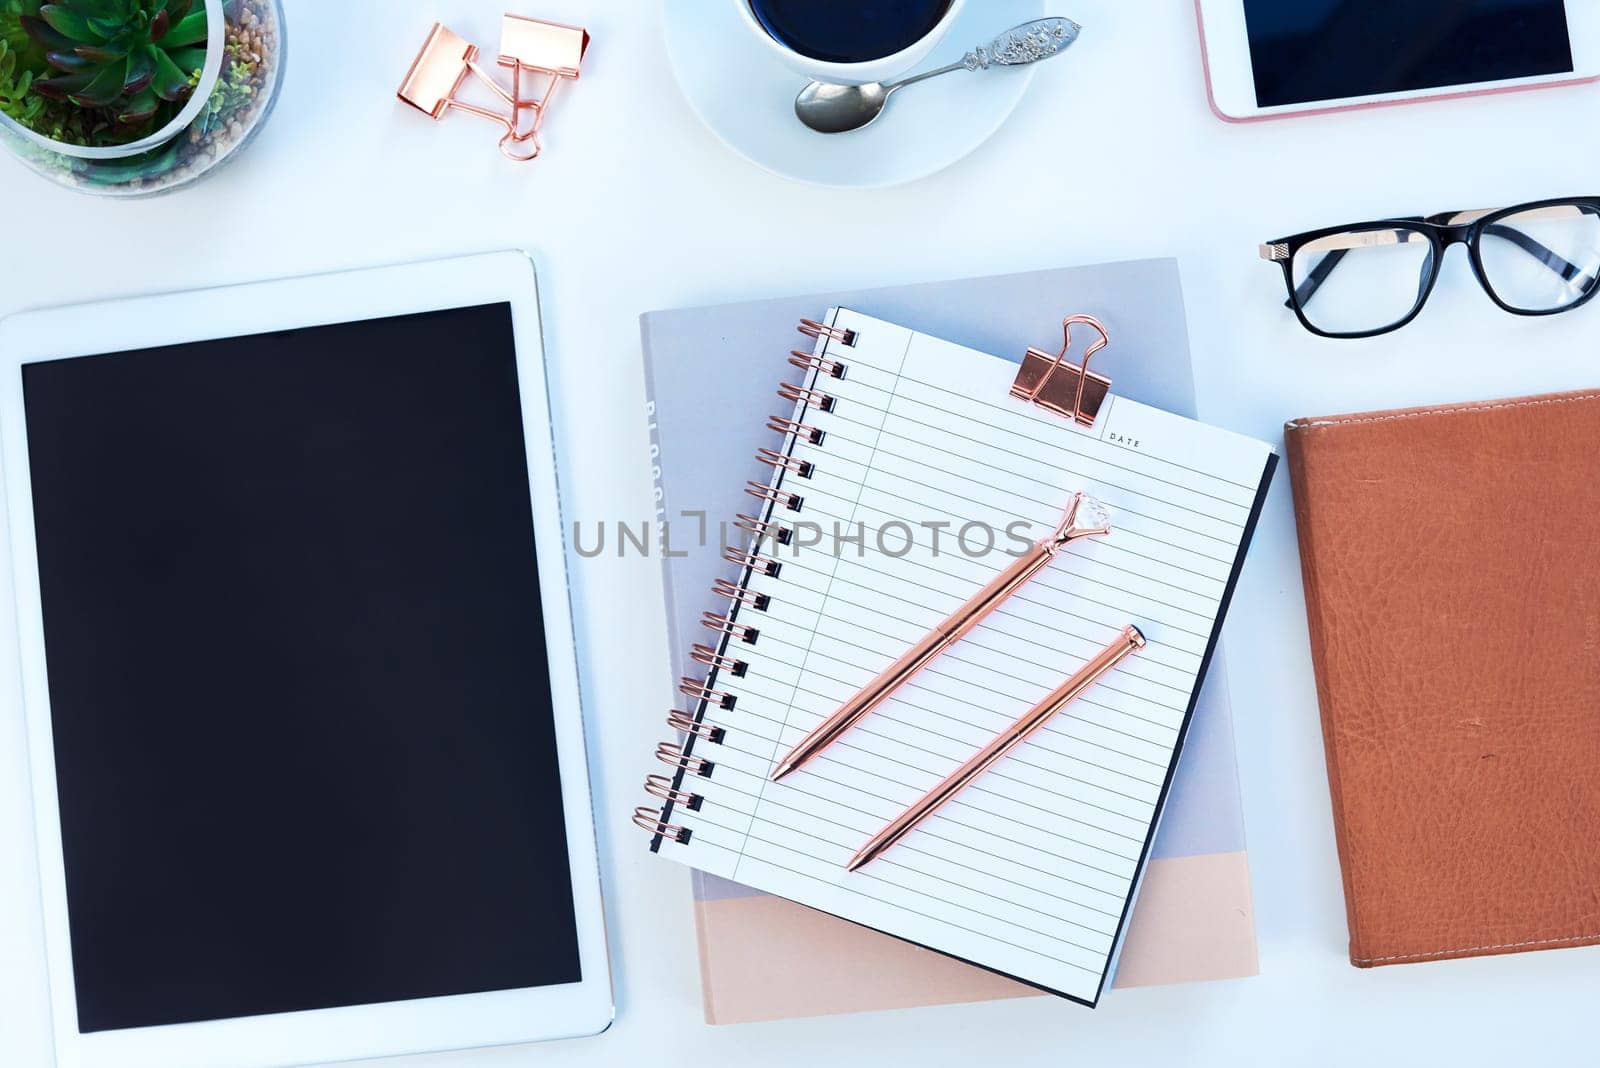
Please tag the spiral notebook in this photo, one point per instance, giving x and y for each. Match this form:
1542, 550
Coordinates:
1031, 872
1194, 919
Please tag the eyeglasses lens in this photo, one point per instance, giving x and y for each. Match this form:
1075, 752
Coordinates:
1542, 259
1361, 280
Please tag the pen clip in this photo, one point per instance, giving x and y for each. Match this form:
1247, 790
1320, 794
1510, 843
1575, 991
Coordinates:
1060, 386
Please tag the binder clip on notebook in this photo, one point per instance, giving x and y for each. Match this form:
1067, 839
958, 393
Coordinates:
433, 84
1057, 385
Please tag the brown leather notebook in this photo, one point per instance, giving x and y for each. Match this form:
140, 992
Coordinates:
1452, 571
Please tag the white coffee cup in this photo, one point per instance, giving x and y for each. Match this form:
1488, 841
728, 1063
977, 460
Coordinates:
875, 70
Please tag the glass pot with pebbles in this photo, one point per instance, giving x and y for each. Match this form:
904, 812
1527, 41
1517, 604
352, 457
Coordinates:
135, 97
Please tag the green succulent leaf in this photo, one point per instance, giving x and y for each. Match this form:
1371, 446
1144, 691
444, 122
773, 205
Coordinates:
190, 31
141, 72
43, 34
15, 99
102, 53
151, 164
104, 88
110, 10
170, 82
60, 88
68, 61
69, 23
140, 108
108, 27
189, 60
178, 8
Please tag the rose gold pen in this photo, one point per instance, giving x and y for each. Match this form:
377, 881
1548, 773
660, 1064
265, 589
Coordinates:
1129, 641
1085, 517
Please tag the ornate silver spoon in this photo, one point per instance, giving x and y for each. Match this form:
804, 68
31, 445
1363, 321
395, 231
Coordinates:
830, 108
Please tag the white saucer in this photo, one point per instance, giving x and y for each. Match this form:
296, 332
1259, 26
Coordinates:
747, 99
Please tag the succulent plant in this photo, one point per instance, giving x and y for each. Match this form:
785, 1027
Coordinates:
15, 99
123, 58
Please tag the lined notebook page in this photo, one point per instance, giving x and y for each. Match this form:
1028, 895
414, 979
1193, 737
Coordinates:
1030, 870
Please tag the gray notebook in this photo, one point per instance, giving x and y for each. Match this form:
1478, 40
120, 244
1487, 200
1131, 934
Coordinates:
712, 375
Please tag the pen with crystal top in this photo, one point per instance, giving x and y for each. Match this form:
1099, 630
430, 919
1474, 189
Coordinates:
1085, 517
1127, 643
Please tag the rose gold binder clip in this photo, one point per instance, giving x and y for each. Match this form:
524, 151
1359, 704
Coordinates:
539, 48
1057, 385
434, 82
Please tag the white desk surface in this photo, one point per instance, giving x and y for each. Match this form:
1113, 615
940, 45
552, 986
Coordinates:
1113, 155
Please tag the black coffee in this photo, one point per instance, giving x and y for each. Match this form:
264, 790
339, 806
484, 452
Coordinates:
848, 31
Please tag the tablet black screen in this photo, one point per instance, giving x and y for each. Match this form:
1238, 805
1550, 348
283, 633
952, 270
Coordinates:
1310, 50
303, 730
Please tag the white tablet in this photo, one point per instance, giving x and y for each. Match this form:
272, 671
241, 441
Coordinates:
298, 671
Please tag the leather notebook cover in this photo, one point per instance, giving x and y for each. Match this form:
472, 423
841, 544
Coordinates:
1453, 589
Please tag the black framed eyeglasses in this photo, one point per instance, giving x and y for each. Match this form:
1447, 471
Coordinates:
1373, 277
